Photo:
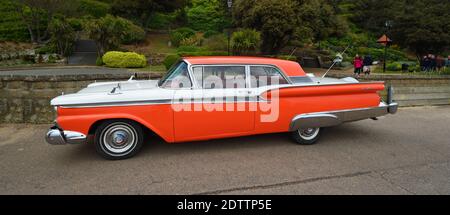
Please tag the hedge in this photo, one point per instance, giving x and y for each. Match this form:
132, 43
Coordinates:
117, 59
170, 60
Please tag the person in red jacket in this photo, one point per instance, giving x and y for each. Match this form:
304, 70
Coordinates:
358, 65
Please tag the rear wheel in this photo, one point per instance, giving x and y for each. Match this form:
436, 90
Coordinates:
306, 136
118, 139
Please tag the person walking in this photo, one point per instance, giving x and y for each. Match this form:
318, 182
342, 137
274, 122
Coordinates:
367, 64
357, 64
440, 63
447, 63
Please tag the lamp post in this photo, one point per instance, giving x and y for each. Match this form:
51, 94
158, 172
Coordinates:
230, 5
385, 41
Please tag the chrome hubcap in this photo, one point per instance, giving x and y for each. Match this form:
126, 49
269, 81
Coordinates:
119, 138
308, 133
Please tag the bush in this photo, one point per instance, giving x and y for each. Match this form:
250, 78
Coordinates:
203, 53
287, 57
117, 59
204, 15
94, 8
99, 61
180, 34
245, 41
170, 60
395, 66
62, 35
188, 49
210, 33
217, 42
161, 20
133, 33
195, 40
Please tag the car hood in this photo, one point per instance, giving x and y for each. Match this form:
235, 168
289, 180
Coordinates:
103, 93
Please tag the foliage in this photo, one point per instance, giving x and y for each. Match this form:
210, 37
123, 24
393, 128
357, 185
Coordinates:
12, 27
195, 40
94, 8
170, 60
218, 42
206, 15
288, 21
109, 32
203, 53
99, 61
420, 25
161, 21
394, 66
133, 33
188, 49
37, 15
181, 34
141, 11
210, 33
49, 48
117, 59
62, 35
245, 41
287, 57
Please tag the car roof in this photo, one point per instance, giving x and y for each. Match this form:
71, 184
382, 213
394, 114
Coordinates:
290, 68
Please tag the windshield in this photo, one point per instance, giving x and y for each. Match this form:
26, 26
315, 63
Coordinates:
178, 71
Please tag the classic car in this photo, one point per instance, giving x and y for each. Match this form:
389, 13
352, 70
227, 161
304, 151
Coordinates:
202, 98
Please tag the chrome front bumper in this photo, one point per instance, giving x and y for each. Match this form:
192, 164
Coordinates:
334, 118
57, 136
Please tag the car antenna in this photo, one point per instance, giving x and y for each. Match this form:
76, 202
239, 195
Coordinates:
338, 59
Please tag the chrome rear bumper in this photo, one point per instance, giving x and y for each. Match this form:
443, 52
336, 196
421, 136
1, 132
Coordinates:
334, 118
57, 136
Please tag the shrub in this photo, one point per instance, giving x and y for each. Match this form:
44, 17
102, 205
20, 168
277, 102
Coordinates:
94, 8
287, 57
62, 35
170, 60
395, 66
218, 42
133, 33
195, 40
161, 20
245, 41
204, 15
188, 49
180, 34
99, 61
203, 53
117, 59
210, 33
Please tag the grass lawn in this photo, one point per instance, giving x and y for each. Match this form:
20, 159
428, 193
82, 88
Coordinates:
154, 44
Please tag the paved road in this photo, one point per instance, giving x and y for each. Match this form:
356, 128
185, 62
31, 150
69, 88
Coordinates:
408, 153
63, 71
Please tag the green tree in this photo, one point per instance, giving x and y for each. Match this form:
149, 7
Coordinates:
37, 15
141, 11
419, 25
107, 32
245, 41
63, 35
204, 15
275, 19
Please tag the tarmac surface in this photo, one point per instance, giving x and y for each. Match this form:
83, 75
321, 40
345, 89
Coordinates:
407, 153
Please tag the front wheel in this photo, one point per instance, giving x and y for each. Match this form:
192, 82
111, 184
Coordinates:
118, 139
306, 136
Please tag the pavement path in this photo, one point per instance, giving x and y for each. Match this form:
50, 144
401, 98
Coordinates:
407, 153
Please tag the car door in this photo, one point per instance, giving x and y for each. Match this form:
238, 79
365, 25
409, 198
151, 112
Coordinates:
219, 104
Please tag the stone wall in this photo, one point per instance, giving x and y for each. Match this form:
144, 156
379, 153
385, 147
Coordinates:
414, 90
25, 99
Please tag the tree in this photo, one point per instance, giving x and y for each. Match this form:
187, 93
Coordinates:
107, 32
140, 11
275, 19
204, 15
245, 41
63, 35
419, 25
37, 15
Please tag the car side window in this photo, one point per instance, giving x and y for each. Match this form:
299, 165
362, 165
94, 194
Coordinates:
178, 78
220, 77
266, 76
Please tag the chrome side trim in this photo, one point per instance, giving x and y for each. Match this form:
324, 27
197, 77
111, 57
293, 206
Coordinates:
56, 136
334, 118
